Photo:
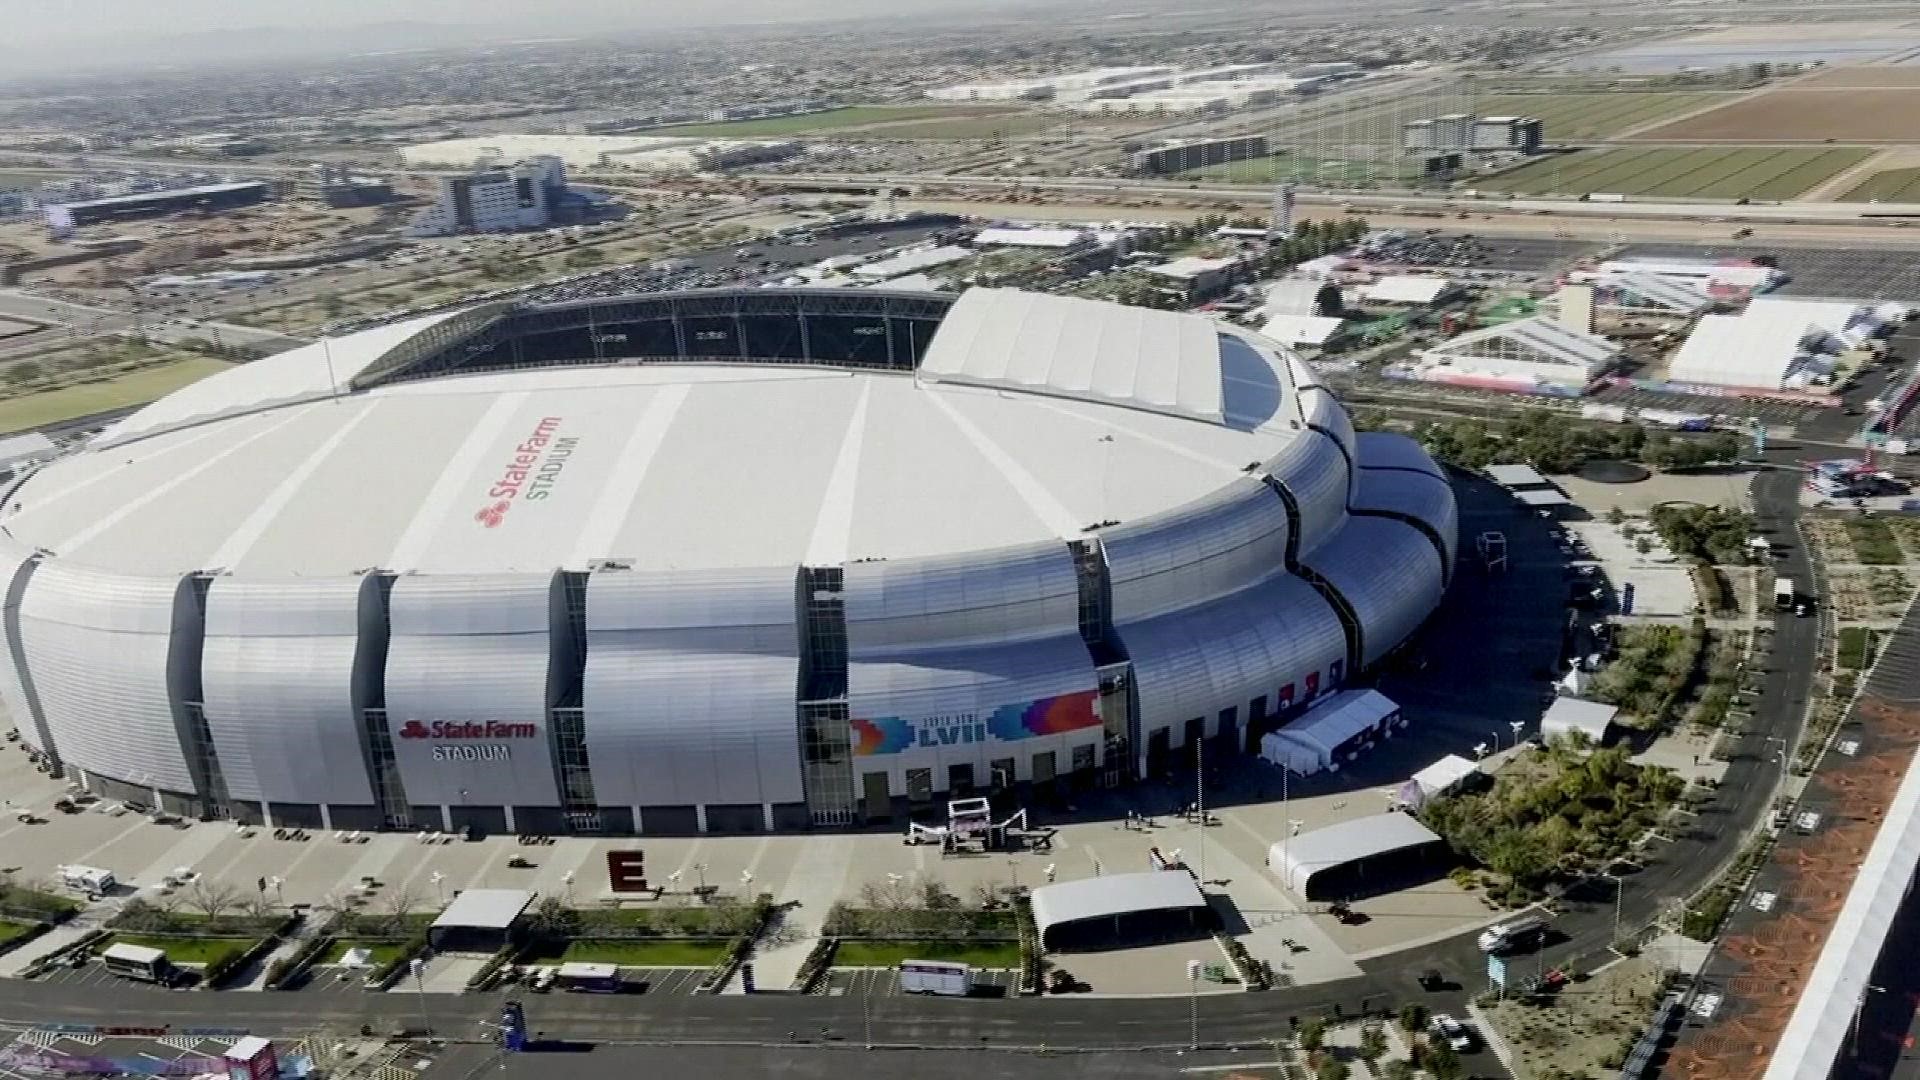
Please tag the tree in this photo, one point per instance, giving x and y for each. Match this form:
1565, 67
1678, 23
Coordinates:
212, 898
1373, 1044
552, 918
1413, 1017
1441, 1062
1615, 515
1332, 1068
1398, 1070
1312, 1034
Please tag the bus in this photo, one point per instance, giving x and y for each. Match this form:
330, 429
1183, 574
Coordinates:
935, 977
138, 962
590, 978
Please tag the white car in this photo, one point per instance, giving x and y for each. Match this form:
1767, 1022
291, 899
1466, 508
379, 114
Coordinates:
1453, 1031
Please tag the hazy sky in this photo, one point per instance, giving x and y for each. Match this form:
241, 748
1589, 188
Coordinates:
64, 21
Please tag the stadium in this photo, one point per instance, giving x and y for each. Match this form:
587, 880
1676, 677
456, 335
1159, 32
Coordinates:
720, 561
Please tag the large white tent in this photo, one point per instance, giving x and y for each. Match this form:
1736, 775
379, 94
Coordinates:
1312, 743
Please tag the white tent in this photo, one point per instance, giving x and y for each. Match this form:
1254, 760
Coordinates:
1571, 714
1437, 779
1575, 682
1312, 742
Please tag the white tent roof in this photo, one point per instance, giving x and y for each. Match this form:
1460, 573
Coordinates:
1728, 350
1823, 1016
1676, 294
1298, 859
1549, 340
1043, 238
1323, 728
1407, 289
908, 262
1515, 476
1298, 330
1443, 775
1114, 894
1293, 296
1568, 714
485, 909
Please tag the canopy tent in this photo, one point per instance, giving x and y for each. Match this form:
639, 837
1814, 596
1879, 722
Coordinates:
1437, 779
1119, 909
478, 920
1312, 742
1307, 864
1571, 714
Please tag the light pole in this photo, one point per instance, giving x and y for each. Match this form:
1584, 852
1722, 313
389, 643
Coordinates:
419, 968
567, 880
1286, 840
1516, 725
1619, 887
1193, 1004
279, 889
700, 871
1496, 739
439, 886
1860, 1006
1200, 800
1013, 873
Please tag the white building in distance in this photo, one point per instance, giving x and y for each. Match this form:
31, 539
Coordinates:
495, 200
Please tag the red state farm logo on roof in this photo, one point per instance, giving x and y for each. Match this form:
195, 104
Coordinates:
466, 729
529, 474
492, 516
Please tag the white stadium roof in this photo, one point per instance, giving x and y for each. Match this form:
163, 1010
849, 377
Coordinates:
1032, 418
1406, 289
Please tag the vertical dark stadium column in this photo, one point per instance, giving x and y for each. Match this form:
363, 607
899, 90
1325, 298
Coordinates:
185, 646
10, 620
1349, 621
826, 726
369, 699
1119, 714
566, 721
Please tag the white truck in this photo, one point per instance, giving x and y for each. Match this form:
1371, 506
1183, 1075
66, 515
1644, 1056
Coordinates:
1783, 593
935, 977
88, 879
1507, 936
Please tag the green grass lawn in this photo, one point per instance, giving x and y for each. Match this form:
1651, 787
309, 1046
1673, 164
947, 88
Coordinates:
9, 930
379, 953
655, 952
1667, 172
182, 950
983, 954
830, 120
1888, 185
1873, 542
50, 406
1855, 650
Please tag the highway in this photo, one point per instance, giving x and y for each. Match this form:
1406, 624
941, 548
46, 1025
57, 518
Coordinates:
93, 320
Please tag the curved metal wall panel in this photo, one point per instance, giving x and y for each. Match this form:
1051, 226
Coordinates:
1392, 450
1421, 496
13, 693
965, 661
1325, 412
1197, 662
277, 676
467, 689
1198, 552
97, 645
1388, 572
1312, 469
690, 682
982, 598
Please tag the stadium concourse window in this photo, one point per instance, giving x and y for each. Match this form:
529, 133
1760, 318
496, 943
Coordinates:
919, 785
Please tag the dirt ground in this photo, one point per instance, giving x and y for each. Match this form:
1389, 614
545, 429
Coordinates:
1866, 75
1838, 114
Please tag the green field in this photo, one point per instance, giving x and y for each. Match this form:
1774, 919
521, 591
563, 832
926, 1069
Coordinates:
1266, 170
1892, 185
1007, 126
9, 929
138, 388
983, 954
834, 119
648, 952
1665, 172
1575, 118
183, 950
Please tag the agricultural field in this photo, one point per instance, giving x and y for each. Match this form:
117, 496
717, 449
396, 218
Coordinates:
1889, 185
837, 120
1577, 118
1721, 173
1002, 126
1867, 75
1307, 167
1871, 116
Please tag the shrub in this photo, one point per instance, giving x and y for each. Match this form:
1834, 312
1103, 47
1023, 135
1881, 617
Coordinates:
385, 973
1413, 1017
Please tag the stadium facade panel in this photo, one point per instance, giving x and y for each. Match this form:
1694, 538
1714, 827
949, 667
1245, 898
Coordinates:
723, 561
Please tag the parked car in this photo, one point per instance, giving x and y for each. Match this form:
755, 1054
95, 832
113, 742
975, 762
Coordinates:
1455, 1033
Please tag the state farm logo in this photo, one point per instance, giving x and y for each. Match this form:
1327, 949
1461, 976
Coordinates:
536, 465
466, 729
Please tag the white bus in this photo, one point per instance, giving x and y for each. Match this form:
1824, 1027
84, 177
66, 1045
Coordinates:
138, 962
935, 977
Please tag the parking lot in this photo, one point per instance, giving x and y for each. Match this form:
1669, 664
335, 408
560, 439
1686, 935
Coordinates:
1771, 412
1451, 251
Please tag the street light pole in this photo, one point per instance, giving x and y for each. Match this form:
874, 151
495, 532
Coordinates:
419, 968
1496, 739
1193, 1004
1200, 799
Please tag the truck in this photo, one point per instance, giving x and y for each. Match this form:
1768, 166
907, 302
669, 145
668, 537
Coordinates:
138, 962
88, 879
1510, 935
935, 977
1783, 593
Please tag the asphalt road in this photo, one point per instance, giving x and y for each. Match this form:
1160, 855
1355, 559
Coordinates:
102, 320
